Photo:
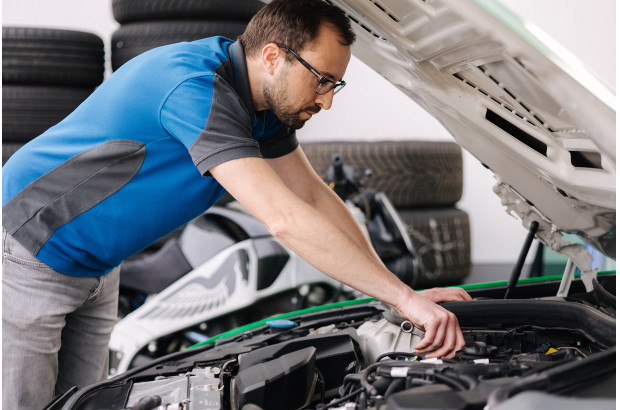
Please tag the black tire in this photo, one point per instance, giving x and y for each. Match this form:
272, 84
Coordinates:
51, 57
442, 241
411, 173
29, 110
133, 39
129, 11
8, 149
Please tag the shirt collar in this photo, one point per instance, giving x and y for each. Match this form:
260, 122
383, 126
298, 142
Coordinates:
243, 83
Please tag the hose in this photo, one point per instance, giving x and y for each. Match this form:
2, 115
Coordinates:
604, 295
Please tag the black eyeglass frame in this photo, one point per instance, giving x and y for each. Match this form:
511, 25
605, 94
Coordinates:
336, 86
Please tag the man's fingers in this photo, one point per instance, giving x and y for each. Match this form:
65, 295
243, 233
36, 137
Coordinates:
460, 340
451, 340
446, 347
462, 294
434, 338
425, 345
444, 341
445, 294
443, 336
456, 338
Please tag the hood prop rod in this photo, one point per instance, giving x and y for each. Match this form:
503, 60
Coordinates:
516, 272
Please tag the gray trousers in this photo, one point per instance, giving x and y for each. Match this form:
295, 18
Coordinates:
55, 328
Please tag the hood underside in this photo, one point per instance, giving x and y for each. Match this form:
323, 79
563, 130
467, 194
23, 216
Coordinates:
535, 117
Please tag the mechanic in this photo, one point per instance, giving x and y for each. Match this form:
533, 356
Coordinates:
158, 143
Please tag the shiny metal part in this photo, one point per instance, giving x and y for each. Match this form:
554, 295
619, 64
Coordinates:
407, 327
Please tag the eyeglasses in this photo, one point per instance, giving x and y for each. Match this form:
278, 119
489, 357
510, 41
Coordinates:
325, 84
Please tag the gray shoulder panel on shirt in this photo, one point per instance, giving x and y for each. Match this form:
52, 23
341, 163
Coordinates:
70, 189
228, 132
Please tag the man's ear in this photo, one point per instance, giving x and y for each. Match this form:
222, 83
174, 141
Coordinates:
270, 57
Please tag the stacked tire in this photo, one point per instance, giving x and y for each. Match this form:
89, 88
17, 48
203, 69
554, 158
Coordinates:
146, 24
424, 181
46, 74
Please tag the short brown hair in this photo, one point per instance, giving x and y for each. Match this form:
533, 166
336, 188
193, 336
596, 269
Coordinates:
294, 23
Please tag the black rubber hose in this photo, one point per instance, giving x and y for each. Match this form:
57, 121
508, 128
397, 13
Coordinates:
603, 294
364, 380
545, 313
396, 385
384, 369
470, 382
442, 378
395, 354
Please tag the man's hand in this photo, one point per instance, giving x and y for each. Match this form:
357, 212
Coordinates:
443, 336
445, 294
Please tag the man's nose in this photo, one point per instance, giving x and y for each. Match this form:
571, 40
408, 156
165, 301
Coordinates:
325, 101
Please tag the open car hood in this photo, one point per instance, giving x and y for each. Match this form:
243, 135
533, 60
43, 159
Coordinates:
527, 110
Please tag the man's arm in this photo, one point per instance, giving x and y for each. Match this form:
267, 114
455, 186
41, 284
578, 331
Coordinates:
298, 175
314, 237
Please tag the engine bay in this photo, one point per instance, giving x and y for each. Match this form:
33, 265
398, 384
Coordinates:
362, 356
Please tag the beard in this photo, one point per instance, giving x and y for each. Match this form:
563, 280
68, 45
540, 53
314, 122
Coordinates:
274, 95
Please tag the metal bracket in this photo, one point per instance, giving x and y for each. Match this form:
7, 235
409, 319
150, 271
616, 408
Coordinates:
550, 235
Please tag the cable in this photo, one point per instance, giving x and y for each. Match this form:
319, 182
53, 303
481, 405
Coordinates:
402, 354
340, 400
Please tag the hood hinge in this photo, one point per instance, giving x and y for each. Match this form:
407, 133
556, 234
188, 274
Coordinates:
548, 234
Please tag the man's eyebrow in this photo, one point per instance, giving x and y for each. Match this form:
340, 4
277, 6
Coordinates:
329, 76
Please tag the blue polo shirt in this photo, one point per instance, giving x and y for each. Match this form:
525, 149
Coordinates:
131, 163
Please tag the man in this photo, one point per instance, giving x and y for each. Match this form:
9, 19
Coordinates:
161, 140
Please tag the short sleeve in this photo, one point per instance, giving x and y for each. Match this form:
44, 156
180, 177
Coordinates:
207, 116
283, 143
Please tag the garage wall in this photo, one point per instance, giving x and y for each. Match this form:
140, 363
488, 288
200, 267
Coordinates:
371, 108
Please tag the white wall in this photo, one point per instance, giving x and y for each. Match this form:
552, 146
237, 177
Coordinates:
371, 108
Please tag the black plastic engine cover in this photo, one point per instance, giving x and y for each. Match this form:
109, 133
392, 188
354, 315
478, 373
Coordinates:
334, 353
283, 383
434, 397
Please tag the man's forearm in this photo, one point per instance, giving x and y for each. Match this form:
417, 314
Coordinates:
299, 176
329, 204
316, 238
